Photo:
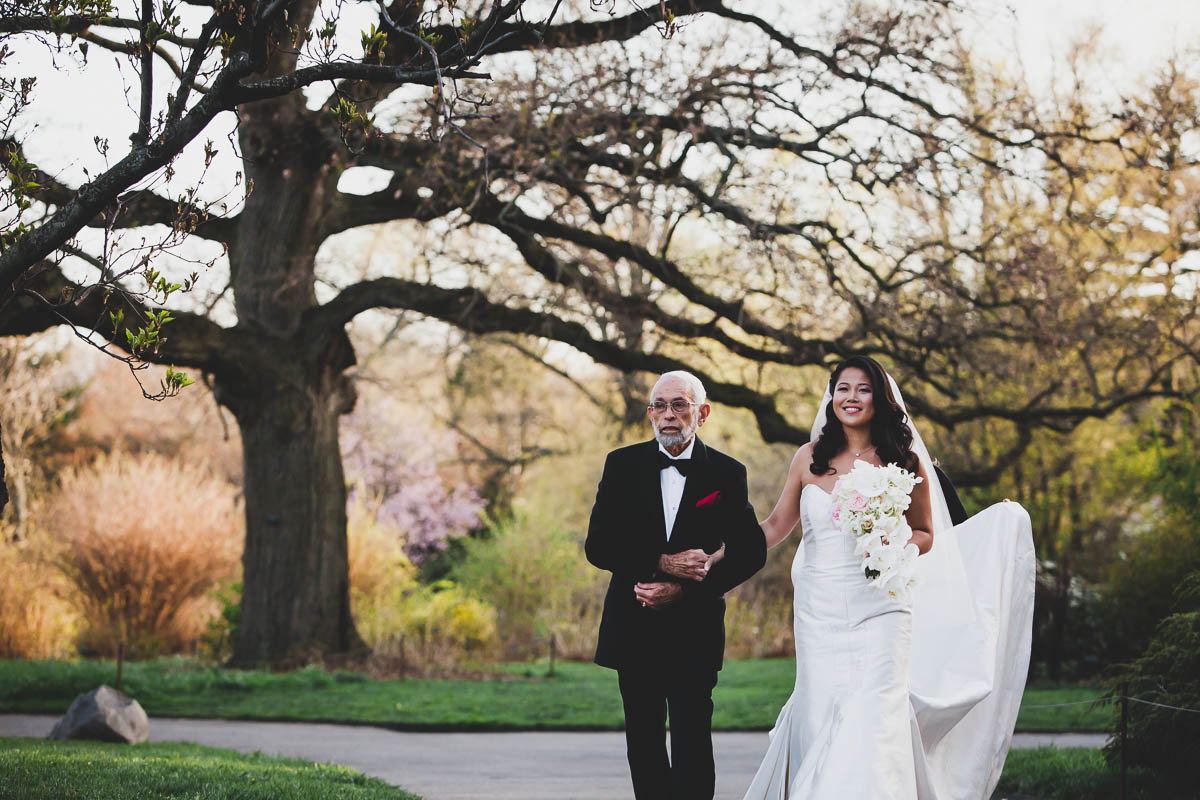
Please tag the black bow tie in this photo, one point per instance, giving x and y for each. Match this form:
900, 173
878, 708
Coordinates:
681, 464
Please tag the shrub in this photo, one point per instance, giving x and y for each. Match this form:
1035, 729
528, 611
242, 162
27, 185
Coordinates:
1139, 595
1162, 739
446, 622
223, 627
36, 619
395, 471
143, 540
407, 624
1165, 554
761, 629
534, 573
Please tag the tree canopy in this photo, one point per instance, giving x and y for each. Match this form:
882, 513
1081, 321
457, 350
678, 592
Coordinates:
743, 191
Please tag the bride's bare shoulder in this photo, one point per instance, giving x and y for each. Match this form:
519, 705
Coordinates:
802, 463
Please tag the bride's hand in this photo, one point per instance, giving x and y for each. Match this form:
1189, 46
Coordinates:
714, 558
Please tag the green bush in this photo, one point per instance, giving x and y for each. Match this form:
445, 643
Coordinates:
223, 629
1136, 601
1139, 596
1162, 739
534, 573
409, 624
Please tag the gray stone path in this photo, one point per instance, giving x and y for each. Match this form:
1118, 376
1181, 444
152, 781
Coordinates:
471, 766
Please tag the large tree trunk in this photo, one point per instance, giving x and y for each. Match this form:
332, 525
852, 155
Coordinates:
287, 396
296, 589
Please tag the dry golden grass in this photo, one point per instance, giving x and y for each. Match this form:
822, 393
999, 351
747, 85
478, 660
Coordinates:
143, 539
761, 628
37, 621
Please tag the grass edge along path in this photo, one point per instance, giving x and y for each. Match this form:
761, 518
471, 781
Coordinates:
36, 769
580, 696
1074, 773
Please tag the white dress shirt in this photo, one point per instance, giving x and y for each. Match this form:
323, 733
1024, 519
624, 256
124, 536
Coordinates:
671, 481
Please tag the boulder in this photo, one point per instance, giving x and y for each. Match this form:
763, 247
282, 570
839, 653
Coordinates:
104, 714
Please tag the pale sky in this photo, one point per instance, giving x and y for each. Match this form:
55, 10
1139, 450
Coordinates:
1138, 35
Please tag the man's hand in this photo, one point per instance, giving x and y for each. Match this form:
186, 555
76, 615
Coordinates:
657, 594
691, 565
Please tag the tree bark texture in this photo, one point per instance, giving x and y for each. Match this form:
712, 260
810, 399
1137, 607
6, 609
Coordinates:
296, 595
287, 400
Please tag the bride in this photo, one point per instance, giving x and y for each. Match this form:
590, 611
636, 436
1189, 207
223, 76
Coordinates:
895, 697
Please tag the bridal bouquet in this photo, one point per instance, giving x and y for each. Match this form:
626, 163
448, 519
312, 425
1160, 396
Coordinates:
869, 504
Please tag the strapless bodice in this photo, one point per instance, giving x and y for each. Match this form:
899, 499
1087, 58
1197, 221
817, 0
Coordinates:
827, 574
823, 543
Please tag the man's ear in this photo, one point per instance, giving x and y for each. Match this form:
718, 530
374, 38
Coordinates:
705, 408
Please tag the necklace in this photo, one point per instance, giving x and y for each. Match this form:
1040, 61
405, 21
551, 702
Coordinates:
856, 455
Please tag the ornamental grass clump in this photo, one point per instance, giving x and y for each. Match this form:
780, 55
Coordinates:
143, 540
36, 618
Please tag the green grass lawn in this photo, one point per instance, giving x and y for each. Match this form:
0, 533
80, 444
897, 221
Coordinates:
1075, 774
42, 770
1090, 717
579, 696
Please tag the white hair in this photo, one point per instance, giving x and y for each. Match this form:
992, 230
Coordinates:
698, 393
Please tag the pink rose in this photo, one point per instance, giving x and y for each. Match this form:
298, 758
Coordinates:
858, 502
837, 513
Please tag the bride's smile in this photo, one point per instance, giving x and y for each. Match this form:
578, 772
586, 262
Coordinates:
852, 400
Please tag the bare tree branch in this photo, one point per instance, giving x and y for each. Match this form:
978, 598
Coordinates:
470, 310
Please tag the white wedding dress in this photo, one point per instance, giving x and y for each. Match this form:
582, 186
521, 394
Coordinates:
896, 699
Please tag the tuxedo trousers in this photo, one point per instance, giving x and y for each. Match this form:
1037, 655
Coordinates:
649, 693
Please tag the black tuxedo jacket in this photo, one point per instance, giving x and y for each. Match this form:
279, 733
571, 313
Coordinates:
627, 534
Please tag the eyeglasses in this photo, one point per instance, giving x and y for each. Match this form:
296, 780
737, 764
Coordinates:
677, 405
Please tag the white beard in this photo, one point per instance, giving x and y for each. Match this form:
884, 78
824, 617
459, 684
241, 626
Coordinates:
675, 439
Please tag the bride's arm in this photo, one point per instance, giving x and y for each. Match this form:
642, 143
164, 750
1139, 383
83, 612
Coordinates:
920, 514
786, 513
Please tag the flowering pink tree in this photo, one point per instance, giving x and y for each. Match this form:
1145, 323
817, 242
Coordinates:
403, 471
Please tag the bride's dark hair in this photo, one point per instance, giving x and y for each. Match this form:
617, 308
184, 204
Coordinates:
889, 427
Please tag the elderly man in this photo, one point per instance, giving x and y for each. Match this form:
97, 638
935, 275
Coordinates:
673, 525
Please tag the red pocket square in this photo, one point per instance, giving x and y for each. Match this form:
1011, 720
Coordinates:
707, 501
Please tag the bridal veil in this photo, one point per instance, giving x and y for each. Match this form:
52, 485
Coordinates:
971, 636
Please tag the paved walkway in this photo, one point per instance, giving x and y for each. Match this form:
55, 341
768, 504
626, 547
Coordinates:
471, 766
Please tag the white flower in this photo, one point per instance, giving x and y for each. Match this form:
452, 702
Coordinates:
884, 559
866, 543
870, 502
